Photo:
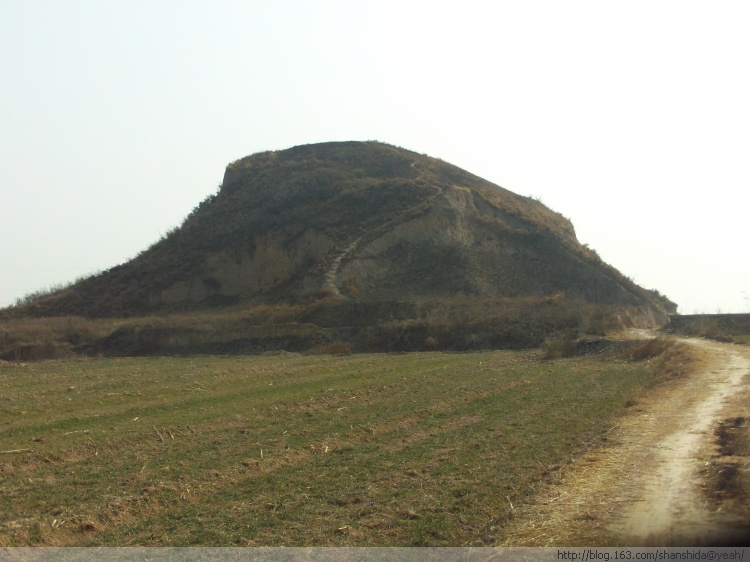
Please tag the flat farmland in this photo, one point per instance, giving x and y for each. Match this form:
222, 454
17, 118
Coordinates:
298, 450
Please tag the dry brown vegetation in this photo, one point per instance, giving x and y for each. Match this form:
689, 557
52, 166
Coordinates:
728, 328
456, 324
563, 345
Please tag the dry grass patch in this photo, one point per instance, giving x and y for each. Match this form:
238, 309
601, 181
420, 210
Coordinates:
335, 348
559, 346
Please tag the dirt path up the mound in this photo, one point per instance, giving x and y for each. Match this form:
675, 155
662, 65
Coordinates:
674, 472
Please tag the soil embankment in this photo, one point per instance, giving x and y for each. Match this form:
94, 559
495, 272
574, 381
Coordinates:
674, 472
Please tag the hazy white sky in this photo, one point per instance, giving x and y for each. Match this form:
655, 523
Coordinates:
630, 118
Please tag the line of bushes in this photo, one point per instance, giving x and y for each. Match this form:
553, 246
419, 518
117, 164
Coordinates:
330, 325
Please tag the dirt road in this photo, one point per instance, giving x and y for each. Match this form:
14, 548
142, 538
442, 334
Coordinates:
674, 472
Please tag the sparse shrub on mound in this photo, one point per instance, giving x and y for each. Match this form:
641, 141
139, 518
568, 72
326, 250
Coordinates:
32, 339
651, 348
671, 358
431, 342
559, 346
677, 360
600, 321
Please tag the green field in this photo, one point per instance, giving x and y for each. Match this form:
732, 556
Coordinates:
359, 450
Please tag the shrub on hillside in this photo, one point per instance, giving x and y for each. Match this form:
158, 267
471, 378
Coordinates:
559, 346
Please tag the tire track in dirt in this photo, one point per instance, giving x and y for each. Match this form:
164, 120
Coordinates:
646, 486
